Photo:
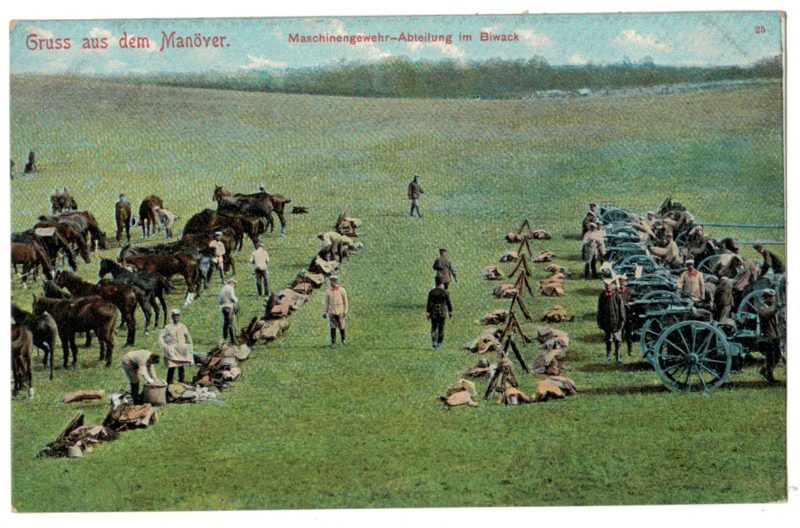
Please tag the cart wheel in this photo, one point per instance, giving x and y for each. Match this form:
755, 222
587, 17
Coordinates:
652, 329
708, 264
692, 356
747, 313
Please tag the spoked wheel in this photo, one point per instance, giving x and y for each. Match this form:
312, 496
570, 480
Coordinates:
614, 215
692, 356
708, 264
652, 330
747, 313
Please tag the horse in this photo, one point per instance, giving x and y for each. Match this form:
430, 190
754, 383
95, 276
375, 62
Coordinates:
147, 215
21, 344
183, 248
44, 331
30, 256
154, 286
81, 314
169, 265
64, 238
122, 215
85, 223
257, 204
51, 241
122, 296
62, 201
210, 220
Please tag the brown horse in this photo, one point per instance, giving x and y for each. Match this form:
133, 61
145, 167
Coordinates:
210, 220
68, 235
147, 216
259, 204
30, 256
21, 345
44, 333
122, 296
122, 215
82, 314
85, 223
169, 265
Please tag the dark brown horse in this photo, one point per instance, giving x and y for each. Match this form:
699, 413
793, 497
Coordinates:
260, 204
122, 296
66, 237
81, 314
210, 220
147, 216
85, 223
30, 257
154, 286
169, 265
122, 215
21, 345
44, 331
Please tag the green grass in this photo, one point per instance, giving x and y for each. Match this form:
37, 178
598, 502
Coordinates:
309, 427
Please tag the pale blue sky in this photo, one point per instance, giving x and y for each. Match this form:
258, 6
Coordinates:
713, 38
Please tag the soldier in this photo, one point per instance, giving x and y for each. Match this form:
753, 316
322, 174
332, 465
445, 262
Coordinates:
438, 310
414, 193
335, 306
593, 249
218, 259
138, 363
176, 345
259, 260
770, 335
611, 318
123, 199
669, 254
691, 283
771, 261
228, 305
444, 269
627, 296
31, 165
723, 299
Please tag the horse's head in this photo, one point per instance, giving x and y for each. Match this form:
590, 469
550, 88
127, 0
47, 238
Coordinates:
106, 266
101, 240
219, 192
38, 309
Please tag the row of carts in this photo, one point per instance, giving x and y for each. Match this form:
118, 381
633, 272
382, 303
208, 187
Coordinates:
689, 351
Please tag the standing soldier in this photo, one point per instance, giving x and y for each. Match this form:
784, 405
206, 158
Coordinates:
593, 249
444, 269
259, 260
771, 261
414, 193
770, 335
691, 283
438, 310
176, 345
723, 299
31, 165
228, 305
627, 296
335, 307
219, 254
138, 363
611, 318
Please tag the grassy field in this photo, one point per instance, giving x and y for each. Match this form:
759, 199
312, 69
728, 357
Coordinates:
310, 427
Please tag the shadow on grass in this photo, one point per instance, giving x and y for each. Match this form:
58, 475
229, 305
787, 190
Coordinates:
571, 258
591, 338
572, 237
587, 291
634, 389
638, 366
589, 316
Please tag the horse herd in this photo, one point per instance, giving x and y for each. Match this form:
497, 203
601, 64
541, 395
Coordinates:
139, 278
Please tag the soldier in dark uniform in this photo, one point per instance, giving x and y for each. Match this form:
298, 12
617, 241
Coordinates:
770, 334
627, 296
414, 193
444, 269
31, 165
438, 310
611, 318
771, 261
723, 299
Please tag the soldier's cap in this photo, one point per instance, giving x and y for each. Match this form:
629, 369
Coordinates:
592, 204
608, 280
175, 311
758, 247
260, 244
689, 261
231, 281
442, 250
768, 293
333, 278
217, 233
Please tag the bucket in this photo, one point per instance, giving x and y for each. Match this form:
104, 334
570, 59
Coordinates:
155, 393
